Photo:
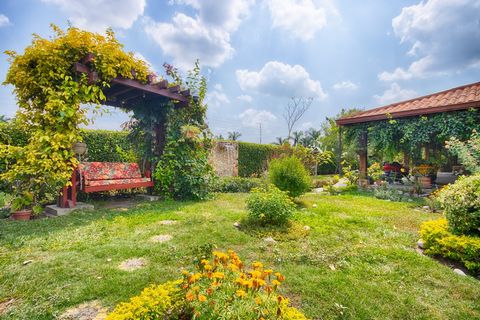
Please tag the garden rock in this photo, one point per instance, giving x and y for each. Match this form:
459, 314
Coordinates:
161, 238
306, 228
420, 244
92, 310
132, 264
459, 272
269, 240
237, 225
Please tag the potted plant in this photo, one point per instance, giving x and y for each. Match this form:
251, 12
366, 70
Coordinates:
426, 174
375, 172
24, 203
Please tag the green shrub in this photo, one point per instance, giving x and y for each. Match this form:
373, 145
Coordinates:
165, 301
236, 184
269, 205
438, 240
289, 174
320, 182
386, 193
253, 158
461, 202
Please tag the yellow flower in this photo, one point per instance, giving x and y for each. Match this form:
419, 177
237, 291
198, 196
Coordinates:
218, 275
280, 277
258, 300
204, 262
241, 293
257, 265
275, 283
202, 298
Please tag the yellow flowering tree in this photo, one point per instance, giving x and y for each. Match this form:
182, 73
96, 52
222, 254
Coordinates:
49, 94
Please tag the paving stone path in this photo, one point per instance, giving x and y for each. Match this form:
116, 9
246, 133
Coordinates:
92, 310
161, 238
132, 264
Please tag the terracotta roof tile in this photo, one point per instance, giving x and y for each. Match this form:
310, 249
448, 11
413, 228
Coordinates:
460, 98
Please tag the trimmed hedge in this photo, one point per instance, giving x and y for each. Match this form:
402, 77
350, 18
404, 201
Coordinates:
253, 158
109, 146
438, 240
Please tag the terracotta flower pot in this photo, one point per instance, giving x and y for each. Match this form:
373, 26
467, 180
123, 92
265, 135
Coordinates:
425, 182
21, 215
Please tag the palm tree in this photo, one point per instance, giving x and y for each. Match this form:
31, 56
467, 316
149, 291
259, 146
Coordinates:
311, 137
297, 137
234, 135
279, 141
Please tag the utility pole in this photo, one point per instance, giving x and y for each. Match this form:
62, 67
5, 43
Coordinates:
260, 133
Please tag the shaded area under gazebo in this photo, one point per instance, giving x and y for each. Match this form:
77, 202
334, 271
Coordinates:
447, 102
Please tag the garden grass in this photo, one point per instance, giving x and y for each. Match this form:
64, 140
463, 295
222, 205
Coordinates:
358, 260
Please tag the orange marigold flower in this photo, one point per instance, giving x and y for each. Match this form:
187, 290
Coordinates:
190, 296
275, 283
205, 262
258, 300
280, 277
257, 265
202, 298
268, 271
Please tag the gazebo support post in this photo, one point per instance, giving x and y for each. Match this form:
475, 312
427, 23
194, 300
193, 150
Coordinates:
363, 158
340, 151
406, 158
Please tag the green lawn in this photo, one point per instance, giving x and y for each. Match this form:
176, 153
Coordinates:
358, 261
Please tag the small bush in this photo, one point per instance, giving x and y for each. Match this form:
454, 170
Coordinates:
320, 182
165, 301
289, 175
386, 193
269, 206
438, 240
236, 184
461, 202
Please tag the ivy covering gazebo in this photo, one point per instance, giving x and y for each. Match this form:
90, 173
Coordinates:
417, 129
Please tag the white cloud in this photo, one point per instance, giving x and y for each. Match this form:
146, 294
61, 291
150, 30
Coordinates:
216, 97
253, 117
444, 37
280, 79
306, 125
205, 36
97, 15
345, 85
394, 94
245, 97
4, 21
301, 18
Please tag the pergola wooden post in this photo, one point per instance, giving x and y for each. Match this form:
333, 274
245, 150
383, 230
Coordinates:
363, 155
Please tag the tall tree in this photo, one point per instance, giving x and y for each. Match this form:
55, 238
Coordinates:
294, 111
234, 135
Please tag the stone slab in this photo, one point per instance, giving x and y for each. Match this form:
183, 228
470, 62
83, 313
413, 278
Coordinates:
148, 197
54, 210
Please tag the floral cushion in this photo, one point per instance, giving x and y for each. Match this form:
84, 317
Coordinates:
93, 183
109, 171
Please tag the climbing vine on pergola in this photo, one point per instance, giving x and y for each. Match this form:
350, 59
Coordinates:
52, 79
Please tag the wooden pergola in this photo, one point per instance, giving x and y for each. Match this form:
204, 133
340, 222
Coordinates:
455, 99
129, 94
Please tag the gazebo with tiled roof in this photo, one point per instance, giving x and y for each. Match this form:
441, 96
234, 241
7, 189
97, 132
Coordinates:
455, 99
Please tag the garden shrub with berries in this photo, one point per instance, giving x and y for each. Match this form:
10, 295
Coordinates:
220, 288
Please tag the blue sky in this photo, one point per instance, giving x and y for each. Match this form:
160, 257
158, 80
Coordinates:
258, 54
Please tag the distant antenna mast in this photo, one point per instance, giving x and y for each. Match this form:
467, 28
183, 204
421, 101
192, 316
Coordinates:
260, 133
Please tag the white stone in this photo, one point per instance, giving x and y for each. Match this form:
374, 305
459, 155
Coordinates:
459, 272
426, 207
420, 243
314, 205
237, 225
306, 228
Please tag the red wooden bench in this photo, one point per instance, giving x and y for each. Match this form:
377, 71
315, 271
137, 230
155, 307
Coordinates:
104, 176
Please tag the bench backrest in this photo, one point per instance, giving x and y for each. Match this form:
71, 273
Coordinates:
109, 170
